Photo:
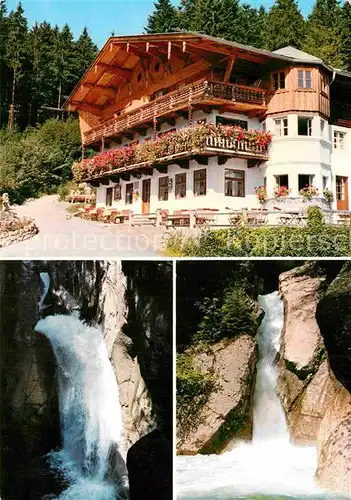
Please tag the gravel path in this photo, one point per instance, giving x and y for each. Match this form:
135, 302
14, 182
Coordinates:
63, 237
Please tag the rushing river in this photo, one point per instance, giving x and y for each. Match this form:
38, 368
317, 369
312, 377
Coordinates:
268, 467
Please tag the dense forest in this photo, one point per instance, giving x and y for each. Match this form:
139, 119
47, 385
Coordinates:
325, 33
39, 67
41, 64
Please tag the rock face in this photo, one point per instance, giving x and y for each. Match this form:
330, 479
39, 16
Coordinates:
149, 463
334, 439
334, 443
227, 413
304, 383
29, 407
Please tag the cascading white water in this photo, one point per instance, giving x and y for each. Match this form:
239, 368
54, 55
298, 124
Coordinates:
269, 465
90, 413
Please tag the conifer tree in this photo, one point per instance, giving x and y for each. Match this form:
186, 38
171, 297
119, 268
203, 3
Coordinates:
346, 12
284, 25
85, 52
326, 33
4, 69
164, 19
16, 52
249, 26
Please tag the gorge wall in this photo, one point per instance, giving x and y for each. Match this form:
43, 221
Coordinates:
314, 366
136, 321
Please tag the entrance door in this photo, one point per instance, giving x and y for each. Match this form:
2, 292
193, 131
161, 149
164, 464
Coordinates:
146, 196
342, 193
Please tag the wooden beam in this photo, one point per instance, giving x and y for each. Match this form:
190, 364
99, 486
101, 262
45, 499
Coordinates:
108, 91
222, 160
124, 73
163, 169
125, 176
229, 69
201, 160
95, 110
94, 183
181, 163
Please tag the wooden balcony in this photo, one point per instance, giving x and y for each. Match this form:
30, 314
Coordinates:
212, 146
231, 97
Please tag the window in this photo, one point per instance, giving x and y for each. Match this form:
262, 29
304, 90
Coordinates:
304, 125
117, 192
200, 182
220, 120
325, 182
279, 80
163, 188
340, 189
324, 84
339, 139
180, 186
109, 197
282, 180
305, 180
304, 79
281, 126
234, 182
129, 193
322, 127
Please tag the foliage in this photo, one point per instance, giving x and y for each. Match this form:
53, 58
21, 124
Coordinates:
185, 139
39, 66
328, 195
284, 25
227, 318
326, 32
193, 391
308, 192
261, 193
164, 18
38, 160
317, 239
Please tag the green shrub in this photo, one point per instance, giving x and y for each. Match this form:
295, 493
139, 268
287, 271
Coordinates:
193, 390
315, 240
38, 160
226, 318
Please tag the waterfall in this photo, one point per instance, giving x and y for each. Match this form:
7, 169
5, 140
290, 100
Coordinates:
45, 285
272, 425
269, 465
90, 413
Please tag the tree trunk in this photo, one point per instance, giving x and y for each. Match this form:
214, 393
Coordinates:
59, 99
12, 106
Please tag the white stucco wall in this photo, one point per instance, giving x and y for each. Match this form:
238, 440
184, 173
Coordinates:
289, 155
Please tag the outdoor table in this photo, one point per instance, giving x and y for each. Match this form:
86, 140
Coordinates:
343, 218
183, 219
292, 216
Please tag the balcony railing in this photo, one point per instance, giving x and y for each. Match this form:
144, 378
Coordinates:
176, 101
193, 144
243, 147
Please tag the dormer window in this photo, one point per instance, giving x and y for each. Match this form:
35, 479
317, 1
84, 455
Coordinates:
279, 80
304, 79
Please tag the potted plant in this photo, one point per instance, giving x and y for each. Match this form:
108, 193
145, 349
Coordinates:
261, 193
281, 192
308, 192
328, 195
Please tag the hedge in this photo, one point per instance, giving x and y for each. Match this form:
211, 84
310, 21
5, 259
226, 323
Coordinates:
316, 239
